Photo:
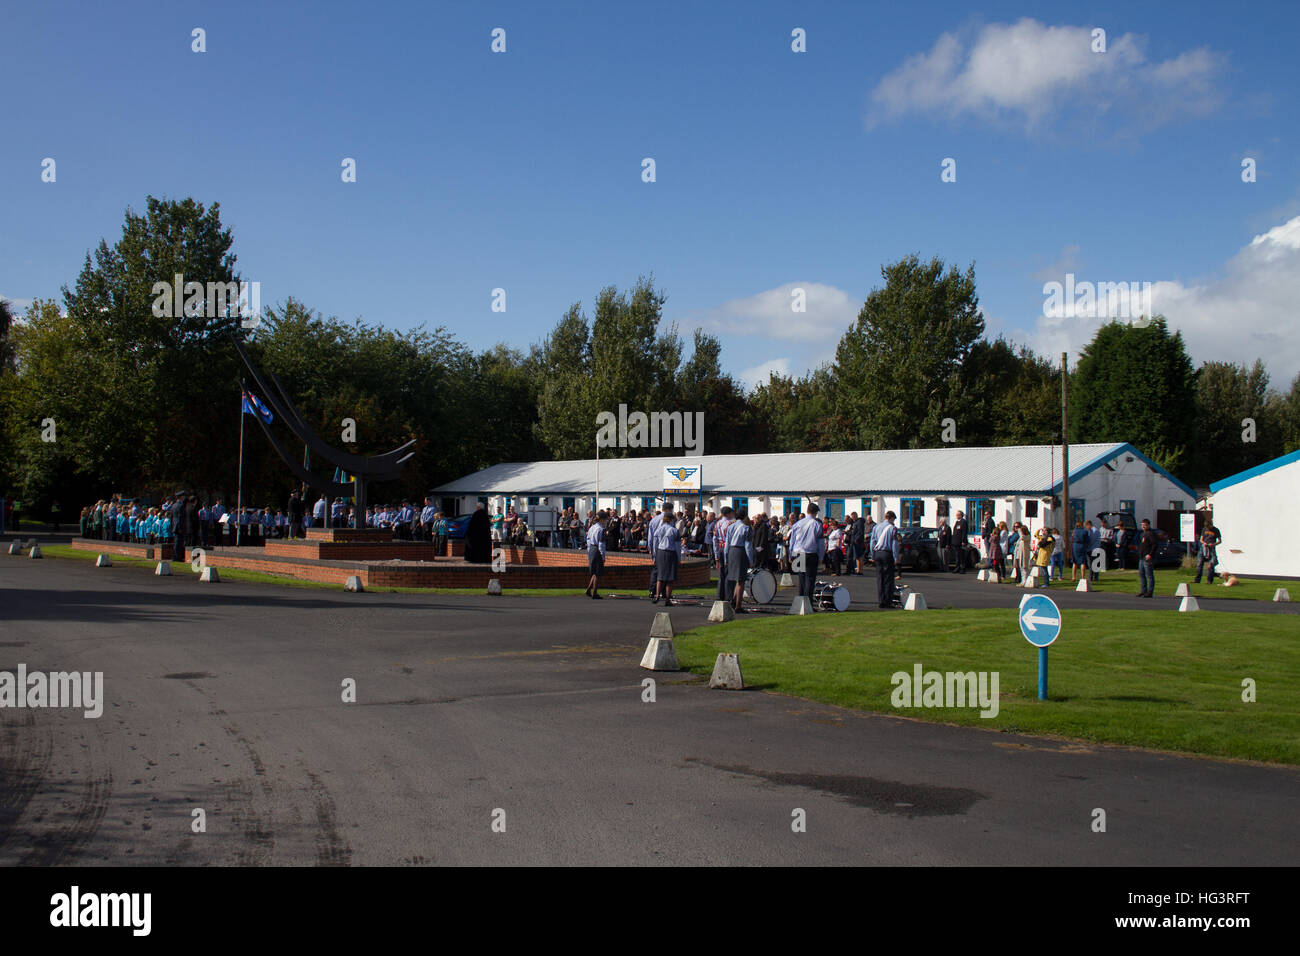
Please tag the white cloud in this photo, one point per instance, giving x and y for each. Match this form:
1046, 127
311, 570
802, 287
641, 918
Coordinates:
751, 378
17, 306
1028, 70
828, 312
1250, 311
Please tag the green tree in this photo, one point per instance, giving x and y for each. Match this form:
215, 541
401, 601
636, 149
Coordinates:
620, 358
899, 368
798, 414
1226, 396
1136, 384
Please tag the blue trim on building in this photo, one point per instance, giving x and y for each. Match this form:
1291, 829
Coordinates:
1125, 448
1252, 472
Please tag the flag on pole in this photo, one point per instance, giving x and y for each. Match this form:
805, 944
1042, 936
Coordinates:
254, 406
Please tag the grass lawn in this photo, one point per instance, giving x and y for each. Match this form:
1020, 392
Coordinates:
1168, 579
1163, 680
259, 577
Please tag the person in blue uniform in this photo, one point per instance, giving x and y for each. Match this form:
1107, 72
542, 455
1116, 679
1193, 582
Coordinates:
740, 554
668, 557
885, 554
650, 544
806, 539
596, 552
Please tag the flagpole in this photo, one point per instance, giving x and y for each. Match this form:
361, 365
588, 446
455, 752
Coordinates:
239, 496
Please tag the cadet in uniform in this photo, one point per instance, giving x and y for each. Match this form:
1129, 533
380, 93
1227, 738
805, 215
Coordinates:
806, 539
596, 553
739, 554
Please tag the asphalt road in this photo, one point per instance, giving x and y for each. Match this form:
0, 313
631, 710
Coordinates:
227, 698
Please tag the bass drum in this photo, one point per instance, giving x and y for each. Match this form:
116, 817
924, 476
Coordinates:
760, 586
831, 596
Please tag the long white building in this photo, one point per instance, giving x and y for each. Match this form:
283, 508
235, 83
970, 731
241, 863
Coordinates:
1018, 483
1256, 511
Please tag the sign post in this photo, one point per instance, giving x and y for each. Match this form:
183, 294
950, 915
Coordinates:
1187, 530
1040, 623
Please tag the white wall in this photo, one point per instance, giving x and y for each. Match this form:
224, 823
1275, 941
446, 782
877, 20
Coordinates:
1257, 518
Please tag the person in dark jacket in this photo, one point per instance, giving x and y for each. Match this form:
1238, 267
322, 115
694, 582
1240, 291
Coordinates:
959, 541
478, 537
760, 536
945, 543
1148, 542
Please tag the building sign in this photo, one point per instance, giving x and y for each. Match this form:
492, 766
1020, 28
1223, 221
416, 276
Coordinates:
683, 478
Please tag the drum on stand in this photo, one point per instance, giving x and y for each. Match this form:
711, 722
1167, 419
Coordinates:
760, 586
831, 596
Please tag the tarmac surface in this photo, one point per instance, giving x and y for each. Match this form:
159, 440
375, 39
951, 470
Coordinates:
227, 698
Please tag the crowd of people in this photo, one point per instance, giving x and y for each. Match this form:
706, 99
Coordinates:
182, 519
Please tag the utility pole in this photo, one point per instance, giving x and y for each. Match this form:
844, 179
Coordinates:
1065, 449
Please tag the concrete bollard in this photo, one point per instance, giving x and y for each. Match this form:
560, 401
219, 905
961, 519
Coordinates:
726, 673
1281, 594
209, 576
1182, 590
103, 561
163, 570
494, 586
659, 655
35, 552
15, 546
993, 578
915, 602
1189, 604
662, 626
721, 611
1084, 585
982, 576
800, 605
353, 583
786, 580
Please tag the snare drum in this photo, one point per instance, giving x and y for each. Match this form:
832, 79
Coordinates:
760, 586
831, 596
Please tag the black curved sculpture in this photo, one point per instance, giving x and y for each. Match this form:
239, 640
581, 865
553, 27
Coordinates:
385, 467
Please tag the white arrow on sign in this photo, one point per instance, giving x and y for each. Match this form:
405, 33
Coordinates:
1032, 619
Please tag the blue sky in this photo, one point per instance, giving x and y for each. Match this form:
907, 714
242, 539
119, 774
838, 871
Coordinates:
774, 169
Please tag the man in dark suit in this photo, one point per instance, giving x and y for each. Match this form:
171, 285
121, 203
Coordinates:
857, 542
296, 510
959, 541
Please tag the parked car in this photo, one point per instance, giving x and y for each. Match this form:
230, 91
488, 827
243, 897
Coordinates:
1169, 552
918, 550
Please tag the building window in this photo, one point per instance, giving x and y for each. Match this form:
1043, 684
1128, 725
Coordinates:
1128, 505
534, 502
866, 508
792, 505
835, 509
740, 504
1078, 510
912, 510
1176, 505
507, 503
647, 504
976, 508
483, 500
570, 502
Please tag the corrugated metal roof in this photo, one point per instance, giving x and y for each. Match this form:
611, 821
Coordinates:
1032, 469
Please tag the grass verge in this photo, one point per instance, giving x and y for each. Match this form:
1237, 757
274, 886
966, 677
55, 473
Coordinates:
1162, 680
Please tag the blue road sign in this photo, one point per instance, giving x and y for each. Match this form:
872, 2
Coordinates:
1040, 620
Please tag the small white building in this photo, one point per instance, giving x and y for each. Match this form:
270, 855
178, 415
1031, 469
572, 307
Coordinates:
1017, 483
1256, 511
